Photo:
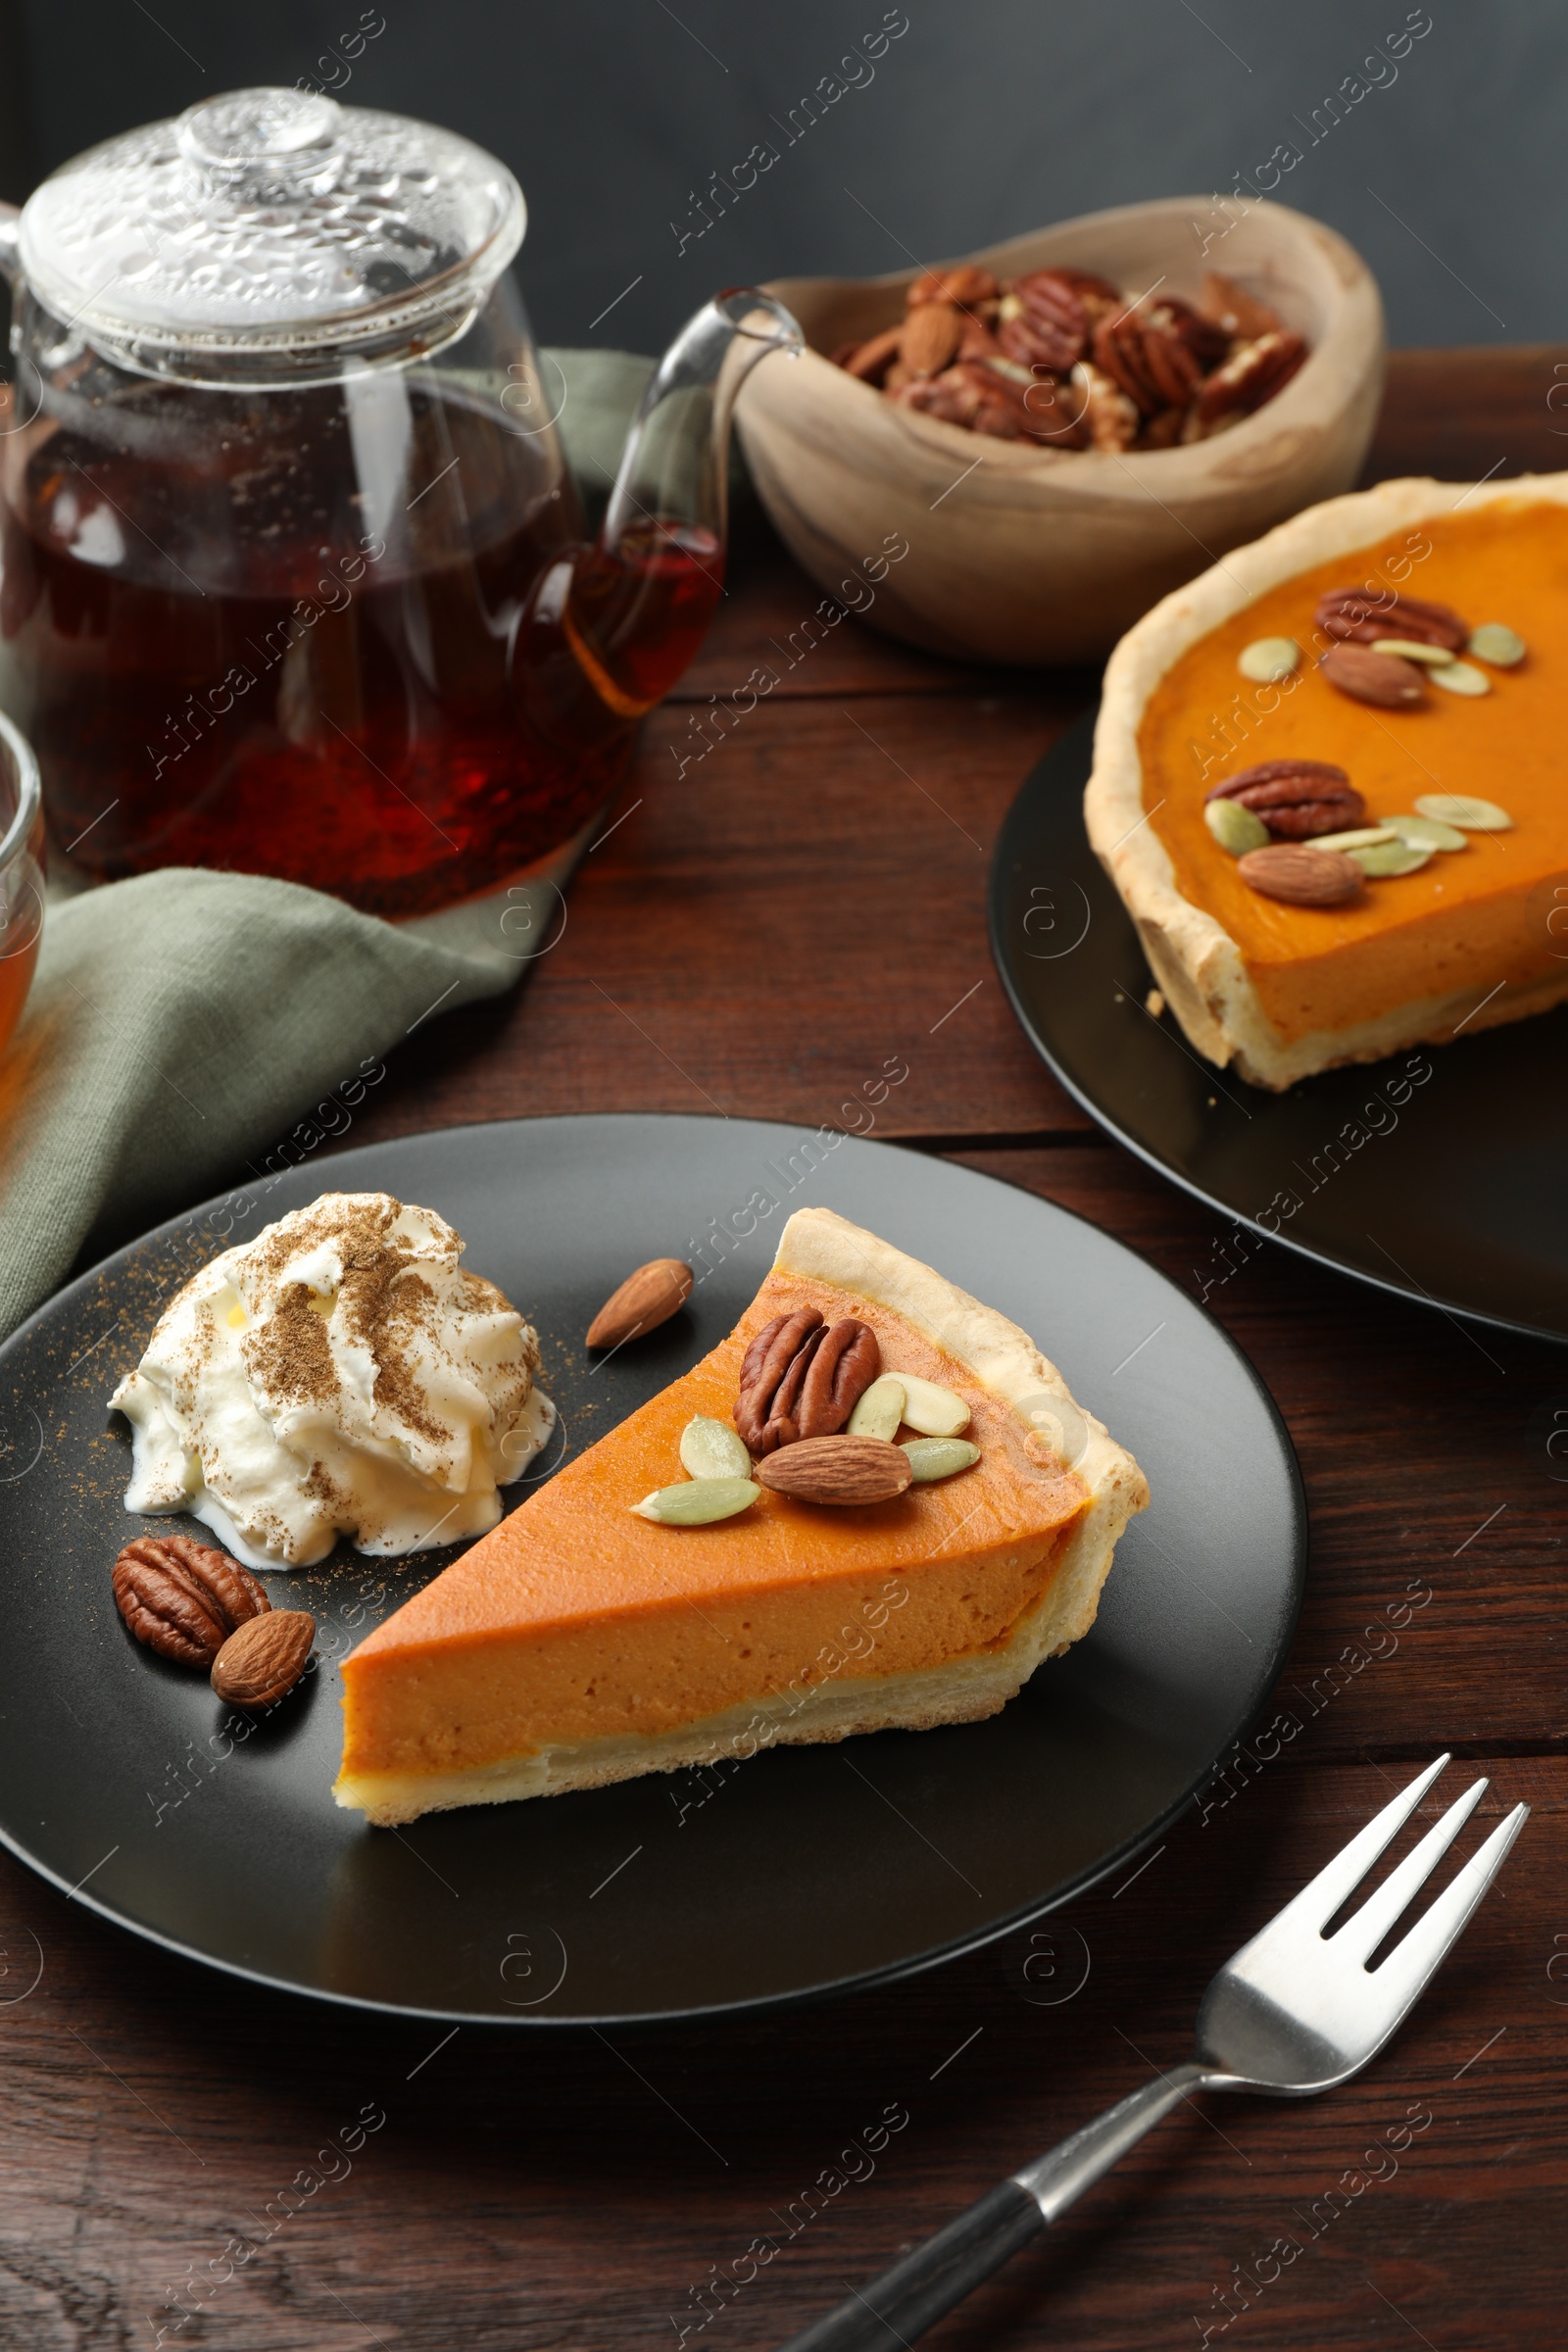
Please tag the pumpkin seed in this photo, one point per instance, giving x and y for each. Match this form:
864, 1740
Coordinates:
1388, 858
1496, 643
1365, 837
1461, 677
712, 1449
1236, 828
938, 1457
1425, 832
698, 1501
1462, 809
1269, 659
1415, 648
880, 1409
936, 1412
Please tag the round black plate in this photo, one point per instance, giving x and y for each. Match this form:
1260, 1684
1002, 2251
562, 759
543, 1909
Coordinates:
1437, 1172
799, 1871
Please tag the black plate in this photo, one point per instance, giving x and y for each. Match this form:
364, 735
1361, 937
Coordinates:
1438, 1173
802, 1870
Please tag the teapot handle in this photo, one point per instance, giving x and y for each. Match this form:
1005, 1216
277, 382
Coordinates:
10, 243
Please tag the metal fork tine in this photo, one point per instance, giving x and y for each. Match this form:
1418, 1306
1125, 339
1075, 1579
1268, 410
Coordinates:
1338, 1878
1365, 1929
1404, 1974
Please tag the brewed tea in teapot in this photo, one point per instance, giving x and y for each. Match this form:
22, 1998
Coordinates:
293, 577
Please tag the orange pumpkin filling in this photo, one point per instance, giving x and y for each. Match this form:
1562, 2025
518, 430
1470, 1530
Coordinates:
576, 1620
1477, 917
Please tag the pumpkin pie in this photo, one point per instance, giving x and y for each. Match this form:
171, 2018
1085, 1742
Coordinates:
579, 1643
1469, 939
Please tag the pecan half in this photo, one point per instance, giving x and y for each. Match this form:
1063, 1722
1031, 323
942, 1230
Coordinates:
965, 283
1017, 339
1207, 341
1118, 350
930, 338
1252, 376
1169, 359
1156, 356
800, 1378
184, 1598
1296, 798
1045, 321
771, 1372
1002, 416
972, 394
1381, 679
1362, 616
262, 1661
840, 1372
1300, 876
1097, 294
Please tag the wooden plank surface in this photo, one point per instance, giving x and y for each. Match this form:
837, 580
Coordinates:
759, 935
761, 931
526, 2195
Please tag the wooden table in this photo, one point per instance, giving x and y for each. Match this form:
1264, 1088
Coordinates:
755, 937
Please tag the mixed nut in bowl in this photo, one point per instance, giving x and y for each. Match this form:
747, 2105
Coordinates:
1057, 459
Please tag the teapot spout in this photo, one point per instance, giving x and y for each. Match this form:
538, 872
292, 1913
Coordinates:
612, 628
674, 469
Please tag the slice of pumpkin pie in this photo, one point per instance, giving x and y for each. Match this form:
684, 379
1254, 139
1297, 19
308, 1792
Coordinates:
598, 1633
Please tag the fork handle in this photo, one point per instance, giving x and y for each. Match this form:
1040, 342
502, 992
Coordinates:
916, 2292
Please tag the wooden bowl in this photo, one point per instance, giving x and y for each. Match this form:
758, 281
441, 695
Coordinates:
1028, 555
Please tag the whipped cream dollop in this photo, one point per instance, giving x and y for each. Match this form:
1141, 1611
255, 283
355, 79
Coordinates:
340, 1373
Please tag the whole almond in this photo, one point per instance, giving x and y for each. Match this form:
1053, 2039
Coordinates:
931, 337
963, 282
644, 1300
1366, 676
1300, 875
837, 1470
264, 1657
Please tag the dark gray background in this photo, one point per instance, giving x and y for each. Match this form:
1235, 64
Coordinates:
983, 119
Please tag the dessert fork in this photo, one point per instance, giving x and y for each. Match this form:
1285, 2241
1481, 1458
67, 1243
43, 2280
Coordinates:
1294, 2012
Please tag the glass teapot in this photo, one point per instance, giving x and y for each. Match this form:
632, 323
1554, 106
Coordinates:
293, 576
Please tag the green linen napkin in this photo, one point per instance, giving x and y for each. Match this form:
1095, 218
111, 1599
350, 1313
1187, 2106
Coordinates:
184, 1028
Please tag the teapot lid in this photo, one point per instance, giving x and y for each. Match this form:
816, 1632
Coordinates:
266, 231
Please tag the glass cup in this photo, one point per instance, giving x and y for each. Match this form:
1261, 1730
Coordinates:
22, 867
